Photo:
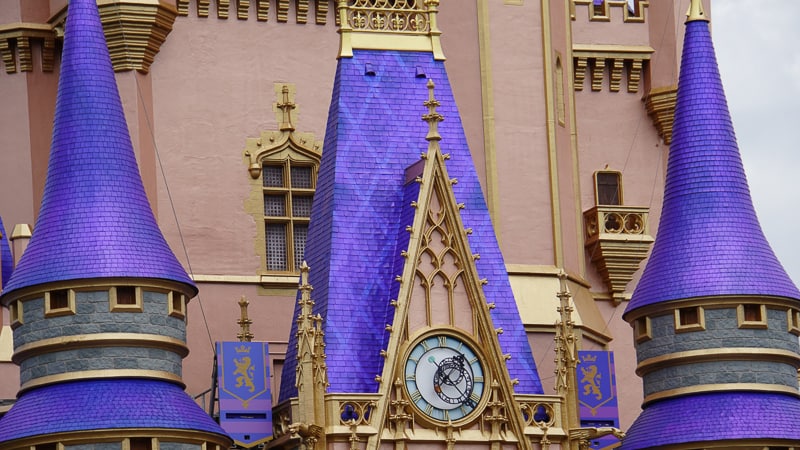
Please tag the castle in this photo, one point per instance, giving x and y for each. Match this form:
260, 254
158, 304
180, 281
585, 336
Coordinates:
459, 235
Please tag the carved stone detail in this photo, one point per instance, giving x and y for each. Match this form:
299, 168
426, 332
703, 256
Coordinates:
17, 45
598, 69
660, 103
620, 59
618, 240
222, 8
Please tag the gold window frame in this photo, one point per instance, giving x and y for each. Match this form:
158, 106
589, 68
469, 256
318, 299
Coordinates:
694, 326
742, 319
137, 306
69, 309
597, 188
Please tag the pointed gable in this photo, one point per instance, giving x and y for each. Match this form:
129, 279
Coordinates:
709, 240
95, 220
358, 218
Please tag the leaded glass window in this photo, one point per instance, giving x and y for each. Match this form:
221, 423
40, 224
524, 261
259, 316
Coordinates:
288, 194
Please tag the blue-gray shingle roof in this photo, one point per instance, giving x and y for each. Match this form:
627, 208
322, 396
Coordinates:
361, 209
95, 220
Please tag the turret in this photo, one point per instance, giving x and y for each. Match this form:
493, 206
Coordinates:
98, 299
715, 315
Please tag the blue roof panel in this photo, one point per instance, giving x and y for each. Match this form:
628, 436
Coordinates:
374, 132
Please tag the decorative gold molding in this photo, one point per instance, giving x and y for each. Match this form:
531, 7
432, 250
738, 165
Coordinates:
118, 435
104, 373
80, 341
487, 107
149, 284
660, 104
711, 302
618, 239
389, 25
15, 45
720, 387
718, 354
243, 8
603, 13
285, 147
134, 30
628, 59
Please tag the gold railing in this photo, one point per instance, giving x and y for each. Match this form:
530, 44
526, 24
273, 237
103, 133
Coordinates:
615, 220
618, 239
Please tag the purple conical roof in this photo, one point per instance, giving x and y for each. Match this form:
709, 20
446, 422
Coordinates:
709, 240
95, 220
6, 259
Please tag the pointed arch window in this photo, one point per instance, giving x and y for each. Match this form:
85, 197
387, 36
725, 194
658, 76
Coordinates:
283, 167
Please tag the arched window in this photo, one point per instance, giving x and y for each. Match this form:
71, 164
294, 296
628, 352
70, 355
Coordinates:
283, 167
608, 187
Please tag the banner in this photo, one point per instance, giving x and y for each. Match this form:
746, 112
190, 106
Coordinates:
597, 394
245, 400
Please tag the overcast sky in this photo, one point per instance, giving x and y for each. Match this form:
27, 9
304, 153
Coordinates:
757, 44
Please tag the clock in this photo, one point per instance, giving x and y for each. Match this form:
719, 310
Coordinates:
444, 377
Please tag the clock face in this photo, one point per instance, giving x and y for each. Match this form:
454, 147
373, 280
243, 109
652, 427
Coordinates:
444, 378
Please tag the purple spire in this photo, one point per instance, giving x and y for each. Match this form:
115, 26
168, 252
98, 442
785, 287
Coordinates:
6, 259
709, 240
95, 220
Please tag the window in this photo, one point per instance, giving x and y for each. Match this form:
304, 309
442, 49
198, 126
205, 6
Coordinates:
59, 303
177, 304
288, 194
140, 444
690, 319
751, 315
608, 187
15, 313
560, 113
641, 329
126, 298
793, 319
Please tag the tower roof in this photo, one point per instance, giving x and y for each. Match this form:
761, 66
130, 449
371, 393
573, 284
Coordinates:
104, 404
95, 219
362, 207
6, 258
709, 241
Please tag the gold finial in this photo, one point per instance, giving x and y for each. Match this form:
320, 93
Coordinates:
432, 117
696, 12
286, 106
244, 322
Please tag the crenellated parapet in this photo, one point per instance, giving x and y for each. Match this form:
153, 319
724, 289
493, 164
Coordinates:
608, 10
262, 10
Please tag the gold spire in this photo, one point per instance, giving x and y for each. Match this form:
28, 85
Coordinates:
244, 322
696, 12
432, 117
286, 106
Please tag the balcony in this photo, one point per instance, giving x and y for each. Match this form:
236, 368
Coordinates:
617, 239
